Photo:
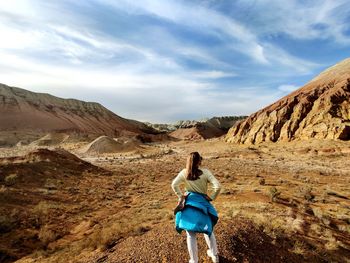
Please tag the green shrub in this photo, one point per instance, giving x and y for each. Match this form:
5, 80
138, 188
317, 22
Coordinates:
274, 194
11, 179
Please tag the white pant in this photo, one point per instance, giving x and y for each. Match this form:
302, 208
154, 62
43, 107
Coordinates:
192, 245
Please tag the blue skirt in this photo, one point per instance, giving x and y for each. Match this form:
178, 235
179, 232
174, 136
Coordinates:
198, 215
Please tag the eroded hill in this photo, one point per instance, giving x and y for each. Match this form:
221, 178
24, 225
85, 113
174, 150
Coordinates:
22, 110
320, 109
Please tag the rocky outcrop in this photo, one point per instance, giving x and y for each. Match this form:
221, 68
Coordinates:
205, 129
22, 110
162, 127
198, 130
222, 123
320, 109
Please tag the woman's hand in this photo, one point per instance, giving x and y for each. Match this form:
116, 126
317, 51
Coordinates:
180, 204
208, 198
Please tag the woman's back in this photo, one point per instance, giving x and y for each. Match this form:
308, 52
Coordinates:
196, 213
199, 185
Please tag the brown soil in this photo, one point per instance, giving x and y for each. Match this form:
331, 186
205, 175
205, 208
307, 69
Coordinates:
239, 241
280, 203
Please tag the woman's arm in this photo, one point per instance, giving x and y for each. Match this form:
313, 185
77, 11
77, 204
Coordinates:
175, 185
216, 185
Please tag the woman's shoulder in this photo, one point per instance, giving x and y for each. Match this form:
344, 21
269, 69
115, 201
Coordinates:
206, 171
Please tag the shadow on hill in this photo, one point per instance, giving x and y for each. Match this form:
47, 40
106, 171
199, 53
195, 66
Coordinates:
239, 240
34, 190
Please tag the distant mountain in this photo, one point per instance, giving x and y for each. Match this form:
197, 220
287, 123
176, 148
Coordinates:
23, 110
223, 123
202, 129
320, 109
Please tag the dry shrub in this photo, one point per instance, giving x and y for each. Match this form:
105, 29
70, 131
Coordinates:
41, 211
275, 227
332, 244
274, 193
52, 184
306, 193
262, 181
318, 212
140, 230
316, 228
306, 208
42, 208
299, 247
298, 224
107, 236
47, 235
344, 228
3, 189
110, 234
11, 179
6, 224
232, 212
170, 216
281, 181
324, 218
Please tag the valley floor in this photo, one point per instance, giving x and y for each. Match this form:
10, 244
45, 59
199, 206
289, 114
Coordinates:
280, 203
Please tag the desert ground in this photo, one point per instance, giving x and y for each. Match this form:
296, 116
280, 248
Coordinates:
281, 202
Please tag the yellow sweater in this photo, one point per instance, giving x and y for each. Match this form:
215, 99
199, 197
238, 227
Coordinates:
200, 185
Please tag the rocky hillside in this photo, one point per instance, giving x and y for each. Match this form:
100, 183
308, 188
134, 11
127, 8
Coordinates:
222, 123
205, 129
22, 110
320, 109
198, 132
189, 129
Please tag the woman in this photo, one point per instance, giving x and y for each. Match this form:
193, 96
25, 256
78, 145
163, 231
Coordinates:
197, 215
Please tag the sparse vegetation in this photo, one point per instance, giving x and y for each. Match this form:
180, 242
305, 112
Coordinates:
274, 194
299, 247
306, 193
11, 179
262, 181
47, 235
6, 223
92, 213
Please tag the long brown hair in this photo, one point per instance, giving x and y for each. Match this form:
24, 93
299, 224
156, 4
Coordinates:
192, 166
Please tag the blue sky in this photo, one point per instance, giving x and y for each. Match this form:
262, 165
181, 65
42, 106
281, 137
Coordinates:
163, 60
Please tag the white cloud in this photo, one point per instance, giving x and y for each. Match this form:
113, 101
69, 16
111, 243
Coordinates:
287, 88
280, 57
19, 7
200, 18
314, 19
214, 74
146, 97
64, 52
242, 38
